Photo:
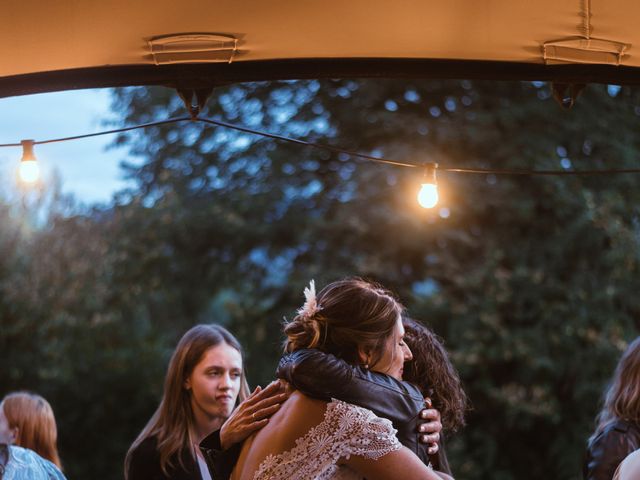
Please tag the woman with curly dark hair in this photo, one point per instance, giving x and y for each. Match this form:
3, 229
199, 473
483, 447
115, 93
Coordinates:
432, 371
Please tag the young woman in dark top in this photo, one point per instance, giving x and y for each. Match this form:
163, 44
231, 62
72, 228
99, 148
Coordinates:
617, 432
204, 382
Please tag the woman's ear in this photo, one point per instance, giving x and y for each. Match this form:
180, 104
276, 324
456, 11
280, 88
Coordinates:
187, 384
15, 435
363, 356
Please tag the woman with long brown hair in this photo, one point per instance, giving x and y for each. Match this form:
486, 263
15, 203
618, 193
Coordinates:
617, 432
32, 419
360, 323
204, 383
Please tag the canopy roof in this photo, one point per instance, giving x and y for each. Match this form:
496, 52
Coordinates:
49, 45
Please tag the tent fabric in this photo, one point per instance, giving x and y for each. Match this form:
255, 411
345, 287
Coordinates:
43, 36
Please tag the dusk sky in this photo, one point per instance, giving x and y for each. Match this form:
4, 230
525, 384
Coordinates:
87, 168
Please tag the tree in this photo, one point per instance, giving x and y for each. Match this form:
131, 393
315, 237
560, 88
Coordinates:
530, 280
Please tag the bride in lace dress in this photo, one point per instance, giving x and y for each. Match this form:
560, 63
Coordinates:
311, 439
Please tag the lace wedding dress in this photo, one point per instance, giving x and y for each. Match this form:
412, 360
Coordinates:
346, 430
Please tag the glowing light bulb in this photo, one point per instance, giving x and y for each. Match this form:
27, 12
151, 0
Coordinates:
428, 195
29, 171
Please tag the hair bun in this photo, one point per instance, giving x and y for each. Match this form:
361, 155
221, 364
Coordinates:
305, 331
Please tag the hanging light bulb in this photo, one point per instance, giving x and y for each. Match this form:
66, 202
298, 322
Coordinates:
428, 195
28, 170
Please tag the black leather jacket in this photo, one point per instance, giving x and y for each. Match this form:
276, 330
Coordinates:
609, 448
325, 376
219, 461
144, 464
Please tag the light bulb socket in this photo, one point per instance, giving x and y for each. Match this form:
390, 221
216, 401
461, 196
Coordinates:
27, 151
430, 173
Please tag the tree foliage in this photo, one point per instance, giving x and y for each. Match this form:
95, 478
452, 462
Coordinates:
531, 280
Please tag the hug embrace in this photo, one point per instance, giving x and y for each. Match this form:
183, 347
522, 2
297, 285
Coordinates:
353, 399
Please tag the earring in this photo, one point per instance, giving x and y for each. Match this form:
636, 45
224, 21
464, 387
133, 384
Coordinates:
366, 365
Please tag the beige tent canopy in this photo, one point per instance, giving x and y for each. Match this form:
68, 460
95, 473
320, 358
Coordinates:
49, 45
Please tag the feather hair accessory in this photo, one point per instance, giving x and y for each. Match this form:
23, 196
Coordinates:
310, 306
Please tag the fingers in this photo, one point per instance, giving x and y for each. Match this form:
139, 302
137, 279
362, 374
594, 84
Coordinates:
257, 425
431, 438
264, 413
260, 406
285, 386
432, 442
430, 430
250, 413
260, 393
268, 406
430, 414
239, 429
255, 392
430, 427
267, 402
433, 449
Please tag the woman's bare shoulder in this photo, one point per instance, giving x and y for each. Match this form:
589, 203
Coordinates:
302, 409
299, 399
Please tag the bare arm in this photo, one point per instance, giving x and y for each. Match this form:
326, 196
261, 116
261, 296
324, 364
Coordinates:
399, 464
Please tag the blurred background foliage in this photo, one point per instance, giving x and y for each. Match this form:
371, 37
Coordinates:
531, 281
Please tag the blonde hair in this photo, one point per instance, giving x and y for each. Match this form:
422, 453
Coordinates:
622, 397
346, 315
173, 422
32, 415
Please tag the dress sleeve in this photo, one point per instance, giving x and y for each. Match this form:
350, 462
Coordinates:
372, 437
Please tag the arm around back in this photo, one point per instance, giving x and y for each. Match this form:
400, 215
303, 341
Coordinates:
325, 376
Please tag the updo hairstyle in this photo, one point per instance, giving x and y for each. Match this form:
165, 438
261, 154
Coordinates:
345, 315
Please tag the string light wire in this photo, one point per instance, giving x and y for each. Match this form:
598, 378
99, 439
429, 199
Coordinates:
331, 148
106, 132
